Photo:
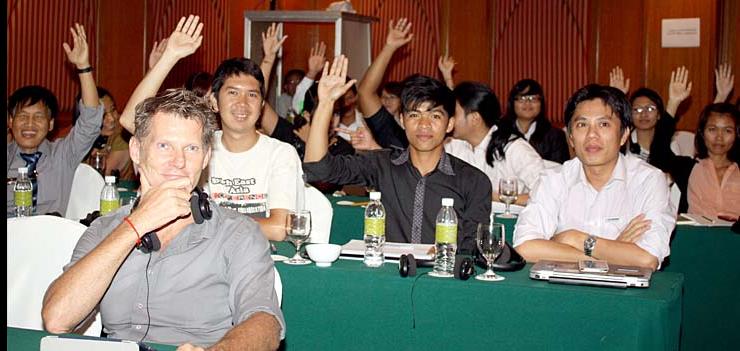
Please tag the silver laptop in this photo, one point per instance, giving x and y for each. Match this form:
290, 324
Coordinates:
569, 273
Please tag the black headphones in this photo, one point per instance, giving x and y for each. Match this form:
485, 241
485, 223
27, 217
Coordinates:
199, 207
464, 267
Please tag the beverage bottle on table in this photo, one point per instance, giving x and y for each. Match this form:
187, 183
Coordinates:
109, 198
445, 239
374, 231
23, 192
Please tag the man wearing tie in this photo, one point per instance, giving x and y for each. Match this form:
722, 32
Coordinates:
31, 113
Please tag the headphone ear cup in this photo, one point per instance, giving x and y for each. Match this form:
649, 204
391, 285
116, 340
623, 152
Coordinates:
205, 206
463, 267
412, 266
195, 208
403, 266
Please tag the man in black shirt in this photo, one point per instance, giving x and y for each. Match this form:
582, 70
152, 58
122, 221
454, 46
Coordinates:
413, 180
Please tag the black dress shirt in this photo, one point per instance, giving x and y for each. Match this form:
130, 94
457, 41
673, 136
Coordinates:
407, 195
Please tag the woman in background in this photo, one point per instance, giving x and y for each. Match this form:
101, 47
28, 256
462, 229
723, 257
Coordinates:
714, 184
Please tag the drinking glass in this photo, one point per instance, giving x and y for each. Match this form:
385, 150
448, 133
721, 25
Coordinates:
508, 193
298, 229
490, 239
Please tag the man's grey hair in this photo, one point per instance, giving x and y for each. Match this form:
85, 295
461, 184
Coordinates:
181, 102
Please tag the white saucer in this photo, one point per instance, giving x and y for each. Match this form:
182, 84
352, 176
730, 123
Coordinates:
278, 258
298, 264
441, 275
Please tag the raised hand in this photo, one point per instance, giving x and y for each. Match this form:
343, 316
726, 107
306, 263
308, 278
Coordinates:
157, 51
679, 90
270, 42
79, 54
186, 38
316, 60
616, 80
361, 139
398, 33
446, 64
333, 81
635, 228
724, 80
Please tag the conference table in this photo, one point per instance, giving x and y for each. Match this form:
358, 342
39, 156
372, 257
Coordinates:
691, 304
706, 256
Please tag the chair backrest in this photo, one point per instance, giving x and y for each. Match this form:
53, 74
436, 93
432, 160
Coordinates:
84, 196
321, 214
278, 287
682, 143
675, 197
38, 249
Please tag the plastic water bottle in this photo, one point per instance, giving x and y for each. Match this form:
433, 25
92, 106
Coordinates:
374, 231
445, 239
109, 198
23, 193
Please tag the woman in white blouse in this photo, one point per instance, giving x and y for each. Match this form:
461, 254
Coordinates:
497, 149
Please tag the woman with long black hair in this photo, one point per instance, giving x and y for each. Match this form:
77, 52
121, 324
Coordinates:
495, 148
526, 111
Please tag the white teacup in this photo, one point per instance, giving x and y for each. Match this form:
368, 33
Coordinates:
323, 254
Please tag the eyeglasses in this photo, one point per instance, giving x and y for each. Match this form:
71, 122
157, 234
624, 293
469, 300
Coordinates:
527, 98
641, 109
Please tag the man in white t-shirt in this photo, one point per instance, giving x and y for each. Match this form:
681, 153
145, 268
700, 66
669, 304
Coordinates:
601, 204
249, 172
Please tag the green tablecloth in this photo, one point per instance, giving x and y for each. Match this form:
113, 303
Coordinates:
30, 340
709, 261
708, 258
349, 306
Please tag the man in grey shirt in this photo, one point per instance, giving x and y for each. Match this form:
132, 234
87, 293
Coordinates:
31, 111
209, 284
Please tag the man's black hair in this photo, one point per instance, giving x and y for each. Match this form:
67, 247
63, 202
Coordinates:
419, 89
30, 95
234, 67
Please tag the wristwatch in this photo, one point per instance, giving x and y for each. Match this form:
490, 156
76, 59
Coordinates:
588, 245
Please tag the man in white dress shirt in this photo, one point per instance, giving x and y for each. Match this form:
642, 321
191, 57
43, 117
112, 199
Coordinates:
602, 204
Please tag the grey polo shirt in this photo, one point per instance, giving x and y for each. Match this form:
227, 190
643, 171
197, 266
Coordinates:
211, 277
58, 162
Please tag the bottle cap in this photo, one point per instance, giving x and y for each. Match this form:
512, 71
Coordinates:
22, 169
375, 195
110, 179
446, 201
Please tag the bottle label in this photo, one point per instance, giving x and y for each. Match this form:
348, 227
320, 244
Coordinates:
445, 233
375, 226
108, 206
23, 198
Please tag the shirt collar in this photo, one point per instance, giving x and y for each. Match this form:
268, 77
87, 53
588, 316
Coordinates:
529, 133
444, 165
618, 174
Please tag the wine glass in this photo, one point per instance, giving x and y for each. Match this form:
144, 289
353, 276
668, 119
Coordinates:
490, 239
508, 193
298, 229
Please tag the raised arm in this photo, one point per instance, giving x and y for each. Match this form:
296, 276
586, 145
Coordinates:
724, 80
316, 61
182, 42
398, 36
616, 80
271, 45
446, 64
79, 56
331, 87
678, 90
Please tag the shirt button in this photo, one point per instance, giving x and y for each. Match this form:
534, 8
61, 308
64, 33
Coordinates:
137, 327
139, 306
150, 272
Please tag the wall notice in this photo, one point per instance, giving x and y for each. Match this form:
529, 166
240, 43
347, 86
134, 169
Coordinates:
680, 32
